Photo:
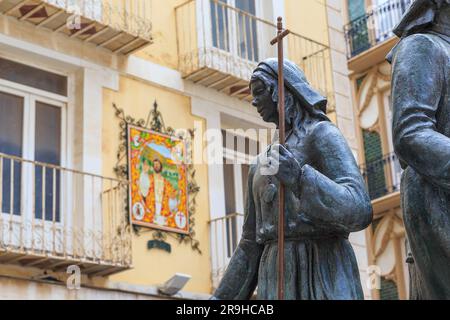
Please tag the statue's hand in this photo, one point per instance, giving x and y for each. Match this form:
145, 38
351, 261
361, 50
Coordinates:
282, 163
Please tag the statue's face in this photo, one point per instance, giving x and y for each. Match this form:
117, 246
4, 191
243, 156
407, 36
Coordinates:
262, 100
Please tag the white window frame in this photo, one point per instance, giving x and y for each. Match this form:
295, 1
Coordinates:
30, 97
237, 159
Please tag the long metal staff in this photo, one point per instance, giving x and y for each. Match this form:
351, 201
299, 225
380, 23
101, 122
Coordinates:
281, 126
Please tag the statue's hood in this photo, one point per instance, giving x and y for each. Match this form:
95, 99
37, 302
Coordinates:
295, 81
419, 18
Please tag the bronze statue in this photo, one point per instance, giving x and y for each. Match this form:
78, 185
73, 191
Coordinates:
325, 200
421, 133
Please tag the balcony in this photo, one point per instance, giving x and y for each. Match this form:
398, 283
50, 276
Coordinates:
383, 177
371, 36
53, 217
219, 46
120, 28
225, 235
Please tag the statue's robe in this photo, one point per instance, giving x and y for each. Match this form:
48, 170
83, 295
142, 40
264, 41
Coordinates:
331, 202
421, 133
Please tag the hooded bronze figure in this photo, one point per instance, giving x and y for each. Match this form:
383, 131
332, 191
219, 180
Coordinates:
325, 201
421, 133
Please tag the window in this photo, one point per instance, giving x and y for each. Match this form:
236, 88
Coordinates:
219, 23
47, 150
238, 152
230, 206
359, 33
11, 137
247, 40
235, 30
245, 171
374, 167
31, 128
356, 9
33, 77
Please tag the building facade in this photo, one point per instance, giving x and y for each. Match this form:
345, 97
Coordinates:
74, 73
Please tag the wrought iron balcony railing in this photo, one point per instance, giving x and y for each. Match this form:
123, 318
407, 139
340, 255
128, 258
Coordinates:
382, 176
225, 233
374, 27
119, 26
52, 217
219, 46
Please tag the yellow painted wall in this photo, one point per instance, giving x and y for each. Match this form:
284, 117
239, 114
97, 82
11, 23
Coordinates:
164, 50
308, 18
153, 267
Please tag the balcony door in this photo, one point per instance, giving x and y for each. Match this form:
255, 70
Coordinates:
239, 151
32, 147
235, 186
234, 28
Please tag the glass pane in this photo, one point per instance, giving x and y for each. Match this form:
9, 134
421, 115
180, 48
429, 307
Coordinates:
356, 9
239, 143
219, 24
33, 77
11, 110
47, 150
228, 174
245, 172
230, 207
11, 133
48, 134
375, 165
47, 197
358, 33
247, 42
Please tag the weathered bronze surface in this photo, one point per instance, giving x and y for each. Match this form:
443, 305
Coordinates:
325, 200
421, 133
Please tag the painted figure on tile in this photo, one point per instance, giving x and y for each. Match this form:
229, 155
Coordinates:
161, 191
158, 175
